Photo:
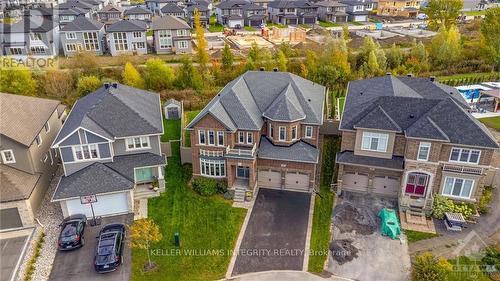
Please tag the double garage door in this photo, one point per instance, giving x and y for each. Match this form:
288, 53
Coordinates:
106, 205
293, 180
381, 184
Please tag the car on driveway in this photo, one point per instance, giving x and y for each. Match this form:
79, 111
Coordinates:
109, 252
72, 230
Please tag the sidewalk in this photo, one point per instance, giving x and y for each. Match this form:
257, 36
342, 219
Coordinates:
284, 275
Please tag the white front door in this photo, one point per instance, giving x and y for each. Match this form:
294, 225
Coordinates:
106, 205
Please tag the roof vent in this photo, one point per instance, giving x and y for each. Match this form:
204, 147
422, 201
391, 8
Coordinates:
360, 93
115, 85
409, 75
275, 69
262, 68
451, 93
388, 74
309, 100
412, 116
106, 85
432, 78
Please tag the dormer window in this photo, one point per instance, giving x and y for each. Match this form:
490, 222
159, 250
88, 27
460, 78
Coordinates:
282, 136
85, 152
294, 132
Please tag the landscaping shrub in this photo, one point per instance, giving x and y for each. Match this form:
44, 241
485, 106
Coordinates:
229, 195
443, 205
205, 186
492, 258
430, 268
221, 187
485, 200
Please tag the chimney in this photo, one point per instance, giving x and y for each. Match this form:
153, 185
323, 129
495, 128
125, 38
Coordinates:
432, 78
409, 75
106, 85
275, 69
115, 85
388, 74
262, 68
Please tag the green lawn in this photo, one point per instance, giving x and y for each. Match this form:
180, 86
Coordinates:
190, 115
323, 205
493, 122
341, 105
356, 23
327, 24
204, 224
278, 25
414, 236
249, 28
472, 271
467, 75
475, 13
172, 130
216, 28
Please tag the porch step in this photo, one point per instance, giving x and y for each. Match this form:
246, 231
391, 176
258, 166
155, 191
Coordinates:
146, 193
416, 211
239, 195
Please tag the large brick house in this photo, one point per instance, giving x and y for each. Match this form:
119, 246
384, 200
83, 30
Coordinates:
411, 138
261, 129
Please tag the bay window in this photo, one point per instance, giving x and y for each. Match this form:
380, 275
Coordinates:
294, 132
85, 152
458, 187
464, 155
309, 132
137, 143
271, 131
249, 138
374, 141
212, 168
282, 134
423, 151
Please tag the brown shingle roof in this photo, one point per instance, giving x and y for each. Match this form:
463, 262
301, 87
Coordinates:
22, 117
16, 184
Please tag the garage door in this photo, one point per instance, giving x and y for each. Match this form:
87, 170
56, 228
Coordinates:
173, 113
386, 185
106, 205
297, 181
355, 181
269, 178
360, 18
10, 218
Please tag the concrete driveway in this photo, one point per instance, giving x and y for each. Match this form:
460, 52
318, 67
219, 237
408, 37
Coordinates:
11, 251
359, 251
79, 264
275, 235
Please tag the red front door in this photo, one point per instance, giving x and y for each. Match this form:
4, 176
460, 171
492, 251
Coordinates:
417, 184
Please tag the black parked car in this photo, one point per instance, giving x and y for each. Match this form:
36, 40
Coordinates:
72, 229
109, 252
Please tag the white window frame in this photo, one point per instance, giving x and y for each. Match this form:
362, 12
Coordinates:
454, 180
137, 146
46, 127
182, 32
284, 133
120, 41
212, 168
241, 137
271, 131
38, 140
212, 140
71, 47
424, 145
368, 137
18, 51
182, 45
219, 135
308, 135
91, 41
460, 151
45, 158
137, 34
249, 138
294, 133
4, 156
89, 147
165, 39
71, 35
200, 133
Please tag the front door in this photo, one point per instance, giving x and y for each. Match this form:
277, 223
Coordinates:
417, 184
242, 172
143, 174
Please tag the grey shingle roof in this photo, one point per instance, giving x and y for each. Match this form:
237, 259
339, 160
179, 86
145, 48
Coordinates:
232, 4
242, 102
105, 177
348, 157
169, 22
172, 101
82, 23
280, 4
199, 7
110, 8
330, 3
298, 152
115, 112
26, 25
171, 8
127, 25
137, 10
418, 106
286, 107
16, 184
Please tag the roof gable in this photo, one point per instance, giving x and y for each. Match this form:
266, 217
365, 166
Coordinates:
378, 119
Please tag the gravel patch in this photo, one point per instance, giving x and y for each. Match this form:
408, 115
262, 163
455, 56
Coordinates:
50, 216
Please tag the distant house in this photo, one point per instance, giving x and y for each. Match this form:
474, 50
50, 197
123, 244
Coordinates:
68, 15
292, 12
401, 8
332, 10
82, 34
172, 9
27, 37
358, 10
254, 15
230, 13
171, 35
155, 6
109, 14
172, 109
138, 13
27, 164
204, 14
127, 37
110, 148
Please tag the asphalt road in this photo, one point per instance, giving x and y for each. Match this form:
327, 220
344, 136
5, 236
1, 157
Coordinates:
79, 264
275, 236
11, 250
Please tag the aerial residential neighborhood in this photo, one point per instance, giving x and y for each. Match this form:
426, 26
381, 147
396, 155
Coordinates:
298, 140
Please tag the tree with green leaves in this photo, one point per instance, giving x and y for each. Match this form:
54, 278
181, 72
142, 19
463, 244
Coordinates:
227, 58
132, 77
143, 232
201, 44
490, 33
17, 80
345, 33
57, 83
371, 68
188, 76
87, 85
395, 57
254, 52
429, 268
158, 75
281, 61
445, 48
443, 12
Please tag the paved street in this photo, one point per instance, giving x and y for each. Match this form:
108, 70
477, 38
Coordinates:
275, 236
11, 250
79, 264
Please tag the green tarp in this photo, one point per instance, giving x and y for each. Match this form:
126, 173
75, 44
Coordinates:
389, 223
